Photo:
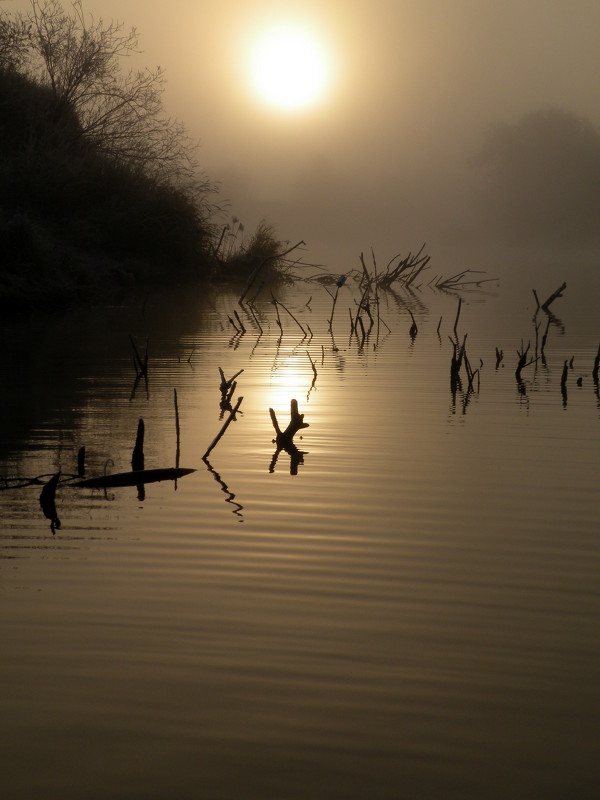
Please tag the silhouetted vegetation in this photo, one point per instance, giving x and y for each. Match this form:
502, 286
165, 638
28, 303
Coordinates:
541, 176
99, 190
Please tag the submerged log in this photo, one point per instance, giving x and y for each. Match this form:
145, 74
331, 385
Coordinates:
133, 478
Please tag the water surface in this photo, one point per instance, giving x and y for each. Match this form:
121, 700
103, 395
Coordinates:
413, 614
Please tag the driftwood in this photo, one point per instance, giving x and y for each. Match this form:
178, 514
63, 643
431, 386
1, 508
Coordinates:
133, 478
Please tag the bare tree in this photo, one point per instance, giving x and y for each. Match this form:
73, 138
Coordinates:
79, 59
14, 38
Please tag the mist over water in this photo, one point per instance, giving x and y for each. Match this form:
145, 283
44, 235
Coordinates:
392, 157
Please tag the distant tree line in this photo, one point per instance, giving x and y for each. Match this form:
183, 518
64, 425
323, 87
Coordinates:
97, 185
540, 178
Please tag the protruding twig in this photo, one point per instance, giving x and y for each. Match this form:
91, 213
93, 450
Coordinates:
335, 297
231, 322
255, 272
554, 295
457, 316
240, 323
565, 373
544, 337
141, 366
596, 366
47, 502
279, 303
413, 328
137, 456
522, 354
177, 432
229, 419
225, 384
81, 461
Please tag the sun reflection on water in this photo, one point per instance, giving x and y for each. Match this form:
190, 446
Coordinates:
290, 378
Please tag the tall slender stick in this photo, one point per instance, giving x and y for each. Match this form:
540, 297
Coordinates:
457, 316
229, 419
176, 427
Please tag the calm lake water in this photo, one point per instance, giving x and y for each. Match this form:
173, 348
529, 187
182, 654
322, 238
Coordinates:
414, 614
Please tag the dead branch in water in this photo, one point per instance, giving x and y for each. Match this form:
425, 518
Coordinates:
460, 280
47, 502
405, 271
254, 274
133, 478
457, 316
240, 323
177, 430
413, 328
596, 366
141, 366
335, 297
217, 438
522, 354
554, 295
565, 373
279, 303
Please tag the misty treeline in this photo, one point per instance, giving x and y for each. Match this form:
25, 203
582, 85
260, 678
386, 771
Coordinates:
98, 186
540, 178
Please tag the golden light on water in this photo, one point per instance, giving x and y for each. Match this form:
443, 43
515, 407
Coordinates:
291, 378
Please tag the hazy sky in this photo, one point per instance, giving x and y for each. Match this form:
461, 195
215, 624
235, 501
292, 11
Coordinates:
382, 161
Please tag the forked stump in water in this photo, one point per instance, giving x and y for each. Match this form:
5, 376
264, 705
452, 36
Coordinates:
285, 439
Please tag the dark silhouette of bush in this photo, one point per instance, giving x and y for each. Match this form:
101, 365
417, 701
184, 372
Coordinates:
86, 206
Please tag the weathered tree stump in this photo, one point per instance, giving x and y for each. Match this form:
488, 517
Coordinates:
285, 439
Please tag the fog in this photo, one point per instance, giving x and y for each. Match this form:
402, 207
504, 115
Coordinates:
391, 157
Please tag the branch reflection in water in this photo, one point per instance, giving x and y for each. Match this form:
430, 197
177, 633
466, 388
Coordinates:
230, 496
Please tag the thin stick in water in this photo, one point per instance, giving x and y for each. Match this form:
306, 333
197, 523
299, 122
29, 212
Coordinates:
229, 419
176, 428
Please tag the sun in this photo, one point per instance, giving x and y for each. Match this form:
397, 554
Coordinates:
289, 67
